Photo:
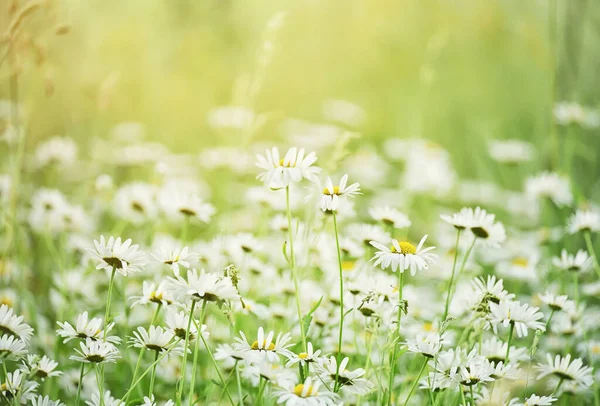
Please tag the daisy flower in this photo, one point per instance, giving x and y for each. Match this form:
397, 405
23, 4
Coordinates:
13, 324
17, 385
403, 256
368, 232
155, 339
349, 381
428, 345
178, 203
292, 168
557, 302
390, 216
306, 394
96, 352
535, 400
175, 258
330, 199
40, 367
153, 294
584, 221
136, 203
12, 348
304, 358
45, 401
264, 347
150, 401
494, 350
522, 316
476, 371
202, 286
85, 329
108, 400
460, 220
564, 369
550, 185
512, 151
484, 227
120, 256
579, 262
177, 323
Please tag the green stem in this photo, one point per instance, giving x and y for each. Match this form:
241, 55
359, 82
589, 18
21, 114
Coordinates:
261, 389
576, 287
341, 332
293, 265
452, 275
239, 382
549, 320
472, 396
79, 385
135, 384
394, 354
416, 382
592, 252
221, 381
179, 390
184, 229
510, 337
108, 300
100, 382
152, 376
560, 382
196, 350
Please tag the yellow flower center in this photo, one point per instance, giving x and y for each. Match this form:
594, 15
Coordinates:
595, 349
299, 389
288, 165
6, 301
264, 344
428, 326
303, 355
348, 265
405, 248
336, 191
520, 261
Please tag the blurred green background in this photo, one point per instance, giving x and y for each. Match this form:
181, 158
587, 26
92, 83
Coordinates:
457, 72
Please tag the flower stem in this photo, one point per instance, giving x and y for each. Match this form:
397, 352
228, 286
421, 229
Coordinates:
549, 319
293, 265
135, 384
239, 382
472, 396
151, 390
196, 350
394, 354
108, 299
452, 275
510, 337
464, 262
100, 382
221, 380
416, 382
79, 385
261, 388
179, 389
592, 252
341, 332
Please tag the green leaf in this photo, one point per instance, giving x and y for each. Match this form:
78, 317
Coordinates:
285, 255
306, 320
217, 383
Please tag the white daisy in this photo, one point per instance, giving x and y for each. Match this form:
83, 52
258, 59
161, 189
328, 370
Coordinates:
122, 256
550, 185
45, 401
16, 385
564, 369
584, 220
85, 329
264, 347
330, 199
557, 302
350, 381
429, 345
494, 350
178, 322
96, 352
40, 367
486, 229
155, 339
12, 348
136, 203
178, 202
281, 172
476, 371
522, 316
202, 286
403, 256
153, 294
306, 394
308, 357
512, 151
13, 324
390, 216
57, 150
580, 262
535, 400
107, 400
150, 401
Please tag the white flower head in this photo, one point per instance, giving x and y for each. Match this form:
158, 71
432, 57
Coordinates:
331, 195
403, 256
119, 255
292, 168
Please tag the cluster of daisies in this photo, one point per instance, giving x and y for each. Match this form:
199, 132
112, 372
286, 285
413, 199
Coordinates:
305, 290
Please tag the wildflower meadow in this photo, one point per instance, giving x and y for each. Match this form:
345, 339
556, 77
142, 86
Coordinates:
299, 203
